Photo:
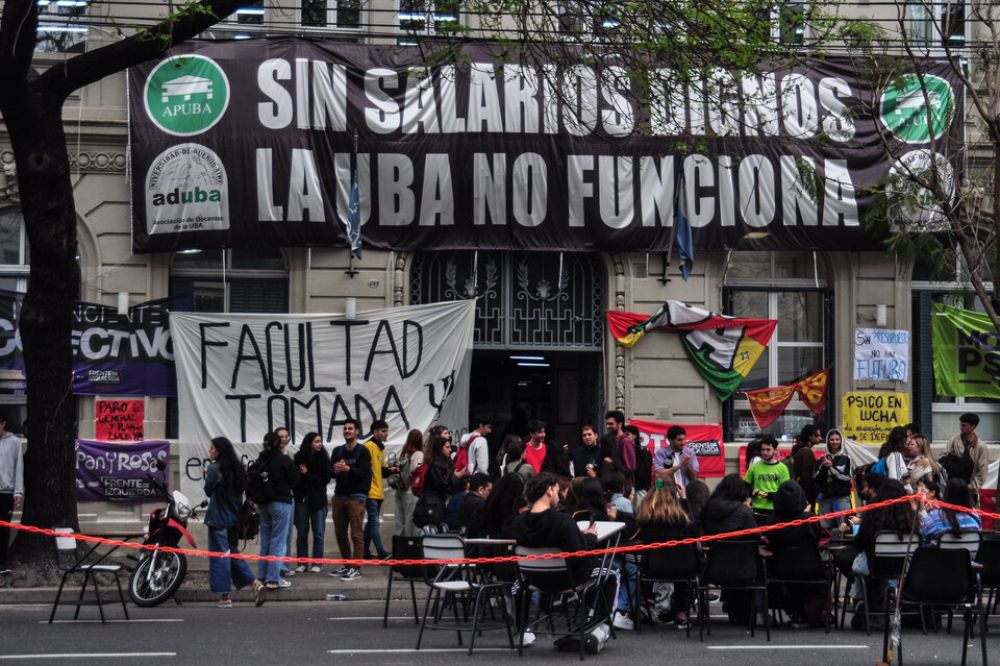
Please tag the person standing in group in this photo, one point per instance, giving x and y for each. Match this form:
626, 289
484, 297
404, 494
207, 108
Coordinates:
225, 481
516, 464
376, 494
11, 486
804, 460
477, 449
626, 452
534, 449
586, 457
833, 479
352, 470
275, 514
439, 483
310, 498
967, 445
410, 458
283, 439
677, 459
766, 475
614, 424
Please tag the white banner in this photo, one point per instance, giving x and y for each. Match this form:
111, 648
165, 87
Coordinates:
240, 376
881, 353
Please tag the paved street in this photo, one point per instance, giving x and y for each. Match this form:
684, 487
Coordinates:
328, 632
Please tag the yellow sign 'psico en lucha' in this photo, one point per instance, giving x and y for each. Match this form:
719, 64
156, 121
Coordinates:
870, 415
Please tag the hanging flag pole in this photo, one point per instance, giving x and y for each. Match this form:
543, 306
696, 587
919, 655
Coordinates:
682, 228
353, 221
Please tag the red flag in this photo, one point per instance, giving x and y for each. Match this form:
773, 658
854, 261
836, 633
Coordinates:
767, 404
812, 390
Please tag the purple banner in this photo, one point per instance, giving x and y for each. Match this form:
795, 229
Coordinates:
113, 354
107, 472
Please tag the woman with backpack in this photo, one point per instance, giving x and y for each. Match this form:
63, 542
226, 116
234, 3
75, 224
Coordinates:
225, 481
410, 458
311, 505
438, 483
273, 476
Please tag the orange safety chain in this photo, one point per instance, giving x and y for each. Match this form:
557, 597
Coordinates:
497, 559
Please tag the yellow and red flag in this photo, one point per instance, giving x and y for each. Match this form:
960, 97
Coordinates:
767, 404
723, 349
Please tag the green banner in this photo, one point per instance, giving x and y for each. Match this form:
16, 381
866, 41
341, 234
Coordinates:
966, 353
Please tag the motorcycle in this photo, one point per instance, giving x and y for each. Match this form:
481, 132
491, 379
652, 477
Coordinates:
159, 574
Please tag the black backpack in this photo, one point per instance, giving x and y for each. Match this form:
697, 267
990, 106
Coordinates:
259, 488
643, 467
958, 467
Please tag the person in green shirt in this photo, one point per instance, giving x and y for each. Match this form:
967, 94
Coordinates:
766, 475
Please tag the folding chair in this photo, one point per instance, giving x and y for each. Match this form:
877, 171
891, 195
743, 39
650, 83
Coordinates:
989, 576
680, 564
943, 577
407, 548
451, 586
66, 552
801, 565
891, 551
577, 606
969, 541
733, 565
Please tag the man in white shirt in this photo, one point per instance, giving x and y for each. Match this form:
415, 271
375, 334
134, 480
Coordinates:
11, 485
479, 448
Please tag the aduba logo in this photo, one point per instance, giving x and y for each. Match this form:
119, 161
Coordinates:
904, 108
186, 95
187, 189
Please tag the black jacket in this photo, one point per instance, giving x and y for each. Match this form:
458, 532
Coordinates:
609, 449
836, 481
311, 488
472, 517
358, 479
283, 475
439, 479
554, 529
726, 516
583, 456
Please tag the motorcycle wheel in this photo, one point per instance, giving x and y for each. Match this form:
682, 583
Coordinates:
151, 588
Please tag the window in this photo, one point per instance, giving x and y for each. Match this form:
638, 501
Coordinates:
14, 251
331, 13
789, 287
58, 29
428, 17
789, 25
253, 280
938, 24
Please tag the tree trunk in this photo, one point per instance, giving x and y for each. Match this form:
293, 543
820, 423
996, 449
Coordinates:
43, 172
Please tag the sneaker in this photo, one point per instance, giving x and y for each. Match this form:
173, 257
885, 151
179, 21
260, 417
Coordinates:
623, 622
5, 570
351, 574
315, 569
385, 556
682, 624
282, 583
224, 603
529, 638
299, 569
259, 593
340, 572
288, 572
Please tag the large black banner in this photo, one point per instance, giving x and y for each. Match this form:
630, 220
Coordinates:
258, 143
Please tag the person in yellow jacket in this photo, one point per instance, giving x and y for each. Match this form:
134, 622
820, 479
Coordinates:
376, 495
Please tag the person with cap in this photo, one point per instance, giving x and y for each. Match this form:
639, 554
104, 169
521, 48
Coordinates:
967, 445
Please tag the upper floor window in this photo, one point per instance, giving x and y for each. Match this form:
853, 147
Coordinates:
938, 24
14, 251
427, 17
58, 31
331, 13
240, 280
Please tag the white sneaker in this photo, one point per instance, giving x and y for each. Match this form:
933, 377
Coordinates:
289, 572
315, 569
529, 638
282, 583
300, 569
623, 622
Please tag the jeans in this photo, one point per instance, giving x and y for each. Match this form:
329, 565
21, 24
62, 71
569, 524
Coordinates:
349, 513
304, 518
275, 518
373, 531
627, 587
831, 504
223, 570
6, 513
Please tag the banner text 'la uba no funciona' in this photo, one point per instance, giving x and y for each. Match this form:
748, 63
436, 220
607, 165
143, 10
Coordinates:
253, 144
243, 376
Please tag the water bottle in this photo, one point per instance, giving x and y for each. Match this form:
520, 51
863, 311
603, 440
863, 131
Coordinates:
337, 596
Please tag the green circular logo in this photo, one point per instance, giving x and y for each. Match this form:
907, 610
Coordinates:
186, 95
905, 110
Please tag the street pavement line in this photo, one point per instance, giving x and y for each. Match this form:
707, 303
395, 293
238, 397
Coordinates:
369, 618
787, 647
412, 651
86, 655
145, 619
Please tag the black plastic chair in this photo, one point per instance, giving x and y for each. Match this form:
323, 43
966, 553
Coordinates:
72, 562
407, 548
733, 565
679, 564
989, 577
800, 565
943, 578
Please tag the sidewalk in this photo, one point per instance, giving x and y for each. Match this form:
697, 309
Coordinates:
305, 587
